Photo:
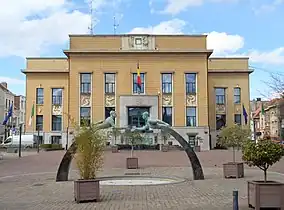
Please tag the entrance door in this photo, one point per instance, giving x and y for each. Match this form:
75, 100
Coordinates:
135, 116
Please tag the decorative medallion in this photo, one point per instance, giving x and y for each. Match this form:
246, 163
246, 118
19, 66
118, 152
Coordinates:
167, 100
191, 100
56, 110
110, 100
237, 109
85, 100
39, 110
138, 101
220, 109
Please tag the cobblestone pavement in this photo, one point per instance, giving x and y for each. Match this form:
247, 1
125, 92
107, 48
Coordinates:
29, 183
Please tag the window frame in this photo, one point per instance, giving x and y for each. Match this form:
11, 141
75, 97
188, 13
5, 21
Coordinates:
189, 117
167, 84
39, 96
85, 87
110, 86
52, 123
88, 118
221, 118
134, 83
190, 87
237, 96
41, 124
240, 118
220, 99
56, 97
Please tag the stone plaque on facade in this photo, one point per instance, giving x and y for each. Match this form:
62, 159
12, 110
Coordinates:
39, 110
85, 100
220, 109
110, 100
191, 100
167, 100
56, 110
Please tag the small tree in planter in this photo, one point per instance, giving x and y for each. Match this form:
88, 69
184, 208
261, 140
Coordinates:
89, 160
115, 133
264, 194
234, 137
134, 137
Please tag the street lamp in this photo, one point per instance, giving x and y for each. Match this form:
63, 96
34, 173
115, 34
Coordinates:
20, 140
67, 139
38, 126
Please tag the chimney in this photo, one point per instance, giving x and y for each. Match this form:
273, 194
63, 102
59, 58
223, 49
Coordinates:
258, 99
4, 84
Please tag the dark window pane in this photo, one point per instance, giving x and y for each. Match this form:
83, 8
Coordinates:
135, 116
57, 96
56, 122
108, 110
85, 116
220, 121
167, 115
237, 95
238, 119
191, 116
85, 85
220, 95
39, 96
167, 83
109, 83
190, 80
39, 122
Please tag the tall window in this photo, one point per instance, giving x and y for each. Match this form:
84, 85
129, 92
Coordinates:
56, 122
57, 96
85, 79
220, 95
190, 83
220, 121
237, 95
135, 84
167, 83
108, 110
109, 83
191, 116
39, 122
238, 119
85, 116
39, 96
167, 115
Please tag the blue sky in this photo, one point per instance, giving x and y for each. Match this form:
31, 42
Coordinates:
251, 28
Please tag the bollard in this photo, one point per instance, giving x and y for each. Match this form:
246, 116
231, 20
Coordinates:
235, 200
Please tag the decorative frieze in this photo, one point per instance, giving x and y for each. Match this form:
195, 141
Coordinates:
238, 109
85, 100
191, 100
167, 100
56, 110
39, 109
109, 100
138, 42
220, 109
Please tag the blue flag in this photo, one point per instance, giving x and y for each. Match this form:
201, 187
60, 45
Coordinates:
10, 113
245, 114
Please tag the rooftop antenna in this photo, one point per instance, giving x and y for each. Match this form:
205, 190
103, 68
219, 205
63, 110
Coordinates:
91, 27
115, 25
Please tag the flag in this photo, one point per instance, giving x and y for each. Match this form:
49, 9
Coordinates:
32, 115
245, 114
139, 83
262, 109
10, 113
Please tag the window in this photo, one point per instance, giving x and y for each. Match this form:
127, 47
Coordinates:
238, 119
39, 122
167, 115
135, 116
220, 121
191, 116
85, 116
109, 83
6, 103
237, 95
220, 95
135, 84
108, 110
39, 96
86, 82
57, 96
167, 83
56, 122
55, 139
190, 83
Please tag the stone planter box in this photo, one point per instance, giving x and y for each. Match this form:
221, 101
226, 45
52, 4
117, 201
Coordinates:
87, 190
233, 170
165, 148
132, 163
197, 148
114, 149
268, 194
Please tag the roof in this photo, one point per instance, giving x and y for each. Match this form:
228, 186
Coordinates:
6, 90
256, 113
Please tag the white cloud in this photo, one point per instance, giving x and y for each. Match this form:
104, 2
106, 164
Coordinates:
29, 27
275, 56
12, 81
223, 43
264, 8
174, 26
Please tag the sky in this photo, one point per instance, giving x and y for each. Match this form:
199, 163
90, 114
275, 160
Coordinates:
252, 28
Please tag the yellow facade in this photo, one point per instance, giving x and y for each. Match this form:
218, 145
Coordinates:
175, 54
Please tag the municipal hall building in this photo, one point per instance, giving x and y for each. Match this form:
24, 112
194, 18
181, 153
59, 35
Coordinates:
181, 84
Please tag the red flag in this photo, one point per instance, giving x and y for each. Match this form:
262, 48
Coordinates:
139, 83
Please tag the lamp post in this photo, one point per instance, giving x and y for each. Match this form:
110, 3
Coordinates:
20, 140
67, 139
38, 126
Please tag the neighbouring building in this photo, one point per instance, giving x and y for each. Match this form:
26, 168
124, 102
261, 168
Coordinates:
2, 113
181, 84
20, 111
